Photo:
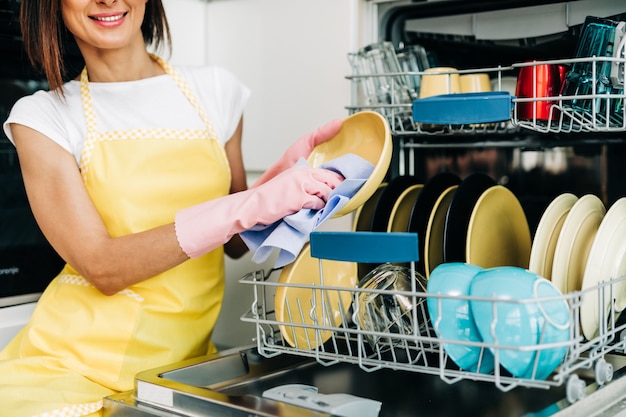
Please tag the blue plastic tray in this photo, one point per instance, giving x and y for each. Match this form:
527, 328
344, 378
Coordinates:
368, 247
464, 108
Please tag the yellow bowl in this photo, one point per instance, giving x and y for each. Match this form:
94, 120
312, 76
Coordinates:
367, 135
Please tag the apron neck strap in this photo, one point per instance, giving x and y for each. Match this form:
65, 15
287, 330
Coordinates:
180, 82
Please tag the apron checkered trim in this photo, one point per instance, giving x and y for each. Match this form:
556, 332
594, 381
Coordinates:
92, 129
77, 410
182, 134
79, 280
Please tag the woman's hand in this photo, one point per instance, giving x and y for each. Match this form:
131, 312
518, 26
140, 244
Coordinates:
301, 148
205, 226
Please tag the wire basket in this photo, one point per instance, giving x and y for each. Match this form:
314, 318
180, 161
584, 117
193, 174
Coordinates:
588, 97
417, 348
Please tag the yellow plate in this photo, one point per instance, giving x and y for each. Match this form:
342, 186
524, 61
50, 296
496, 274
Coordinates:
433, 240
606, 260
574, 243
547, 234
402, 208
367, 135
498, 232
363, 216
294, 305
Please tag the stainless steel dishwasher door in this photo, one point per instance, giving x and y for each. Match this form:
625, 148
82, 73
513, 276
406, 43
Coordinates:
233, 385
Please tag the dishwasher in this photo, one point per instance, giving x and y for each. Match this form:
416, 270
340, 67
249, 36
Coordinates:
311, 361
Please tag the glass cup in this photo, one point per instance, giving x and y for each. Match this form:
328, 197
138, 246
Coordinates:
618, 75
375, 62
413, 59
592, 79
391, 312
379, 75
618, 69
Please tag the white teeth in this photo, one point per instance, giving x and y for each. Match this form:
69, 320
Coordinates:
109, 18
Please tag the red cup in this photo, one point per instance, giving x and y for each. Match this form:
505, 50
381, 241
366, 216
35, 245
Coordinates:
537, 82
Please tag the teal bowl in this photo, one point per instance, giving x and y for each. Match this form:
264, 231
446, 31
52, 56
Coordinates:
525, 313
452, 318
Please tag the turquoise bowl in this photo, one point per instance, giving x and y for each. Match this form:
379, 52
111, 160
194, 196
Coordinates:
452, 318
525, 313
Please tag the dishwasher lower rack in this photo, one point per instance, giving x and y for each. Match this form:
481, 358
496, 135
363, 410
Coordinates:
419, 349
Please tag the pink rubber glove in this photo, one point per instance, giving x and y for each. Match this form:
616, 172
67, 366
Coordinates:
206, 226
301, 148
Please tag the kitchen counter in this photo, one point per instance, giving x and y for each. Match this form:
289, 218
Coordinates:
232, 384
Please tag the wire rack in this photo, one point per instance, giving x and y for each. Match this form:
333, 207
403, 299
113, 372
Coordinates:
332, 338
598, 107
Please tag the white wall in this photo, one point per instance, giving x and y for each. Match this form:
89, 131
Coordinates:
187, 19
292, 54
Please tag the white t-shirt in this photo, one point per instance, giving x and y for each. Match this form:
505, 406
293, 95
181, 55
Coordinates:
149, 103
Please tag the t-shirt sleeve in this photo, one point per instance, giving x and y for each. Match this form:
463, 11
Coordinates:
39, 113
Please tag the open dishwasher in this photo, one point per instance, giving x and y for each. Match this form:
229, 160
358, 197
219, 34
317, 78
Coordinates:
329, 368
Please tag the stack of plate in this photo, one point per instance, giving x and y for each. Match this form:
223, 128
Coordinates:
387, 213
486, 226
472, 220
432, 203
579, 244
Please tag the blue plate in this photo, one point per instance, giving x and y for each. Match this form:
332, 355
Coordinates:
529, 313
452, 318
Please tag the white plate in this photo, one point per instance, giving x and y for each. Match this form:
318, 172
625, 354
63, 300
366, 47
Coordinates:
547, 234
607, 260
574, 243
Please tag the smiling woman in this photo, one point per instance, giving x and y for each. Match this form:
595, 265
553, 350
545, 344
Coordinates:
105, 25
134, 173
68, 19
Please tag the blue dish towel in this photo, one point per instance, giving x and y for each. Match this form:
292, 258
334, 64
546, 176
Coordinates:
291, 233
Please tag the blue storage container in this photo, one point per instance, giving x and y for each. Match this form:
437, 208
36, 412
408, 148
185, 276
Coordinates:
464, 108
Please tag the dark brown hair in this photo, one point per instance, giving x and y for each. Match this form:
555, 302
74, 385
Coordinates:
47, 41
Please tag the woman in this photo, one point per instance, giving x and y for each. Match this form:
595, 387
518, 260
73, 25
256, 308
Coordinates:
134, 173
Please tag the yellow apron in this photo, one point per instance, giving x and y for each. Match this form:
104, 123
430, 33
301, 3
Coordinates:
80, 345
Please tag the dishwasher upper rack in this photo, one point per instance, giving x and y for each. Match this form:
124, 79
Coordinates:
565, 117
420, 349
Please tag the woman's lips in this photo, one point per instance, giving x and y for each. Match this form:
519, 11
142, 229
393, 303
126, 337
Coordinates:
109, 19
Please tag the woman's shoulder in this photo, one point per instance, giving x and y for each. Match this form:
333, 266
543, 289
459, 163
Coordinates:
51, 113
50, 99
49, 108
